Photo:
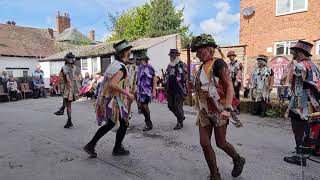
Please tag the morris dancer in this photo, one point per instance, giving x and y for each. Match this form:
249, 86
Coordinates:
262, 84
236, 68
214, 90
146, 88
111, 106
305, 86
70, 77
176, 79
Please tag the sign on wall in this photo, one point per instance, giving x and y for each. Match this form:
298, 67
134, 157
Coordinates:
279, 66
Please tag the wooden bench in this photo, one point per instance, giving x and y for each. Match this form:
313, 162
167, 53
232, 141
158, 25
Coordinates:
2, 93
25, 88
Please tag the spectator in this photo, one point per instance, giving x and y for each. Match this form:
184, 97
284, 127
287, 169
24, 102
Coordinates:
54, 83
3, 77
12, 87
38, 72
99, 80
86, 84
38, 83
38, 88
161, 97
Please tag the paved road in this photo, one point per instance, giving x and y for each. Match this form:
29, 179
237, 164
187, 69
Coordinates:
35, 146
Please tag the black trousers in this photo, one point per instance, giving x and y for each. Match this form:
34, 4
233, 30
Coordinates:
106, 128
175, 104
298, 128
261, 107
13, 94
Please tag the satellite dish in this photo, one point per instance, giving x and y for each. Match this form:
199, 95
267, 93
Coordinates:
248, 12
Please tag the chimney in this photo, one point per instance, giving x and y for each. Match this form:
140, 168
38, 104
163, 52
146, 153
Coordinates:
9, 22
92, 35
62, 22
50, 31
13, 23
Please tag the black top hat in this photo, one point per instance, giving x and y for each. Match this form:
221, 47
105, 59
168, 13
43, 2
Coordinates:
121, 46
142, 56
174, 52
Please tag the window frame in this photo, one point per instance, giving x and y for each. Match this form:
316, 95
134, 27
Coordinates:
87, 63
318, 47
287, 45
291, 8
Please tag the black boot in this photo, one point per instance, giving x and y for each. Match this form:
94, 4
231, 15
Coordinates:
120, 151
295, 160
178, 126
59, 113
148, 126
68, 124
89, 148
238, 166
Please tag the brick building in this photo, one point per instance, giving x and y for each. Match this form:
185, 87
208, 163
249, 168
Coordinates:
271, 27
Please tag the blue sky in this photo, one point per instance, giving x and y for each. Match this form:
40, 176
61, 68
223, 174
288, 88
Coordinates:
217, 17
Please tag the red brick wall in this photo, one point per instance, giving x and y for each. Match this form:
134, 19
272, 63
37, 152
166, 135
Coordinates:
264, 28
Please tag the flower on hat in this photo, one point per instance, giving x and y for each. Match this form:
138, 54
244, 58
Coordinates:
204, 40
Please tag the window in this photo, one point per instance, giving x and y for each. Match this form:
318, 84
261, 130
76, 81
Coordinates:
94, 65
10, 73
283, 48
25, 74
18, 72
284, 7
84, 64
318, 47
55, 67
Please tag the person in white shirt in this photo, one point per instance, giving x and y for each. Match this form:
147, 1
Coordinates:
12, 87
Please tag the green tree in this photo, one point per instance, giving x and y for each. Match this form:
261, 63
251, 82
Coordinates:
154, 19
164, 19
131, 24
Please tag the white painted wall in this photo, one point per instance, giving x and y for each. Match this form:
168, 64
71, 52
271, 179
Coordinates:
50, 68
158, 54
18, 62
91, 65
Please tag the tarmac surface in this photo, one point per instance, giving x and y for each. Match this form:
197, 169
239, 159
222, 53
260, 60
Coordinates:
35, 146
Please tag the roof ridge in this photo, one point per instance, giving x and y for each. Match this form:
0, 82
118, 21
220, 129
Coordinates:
25, 27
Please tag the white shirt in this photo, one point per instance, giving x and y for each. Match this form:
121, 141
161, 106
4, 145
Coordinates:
204, 80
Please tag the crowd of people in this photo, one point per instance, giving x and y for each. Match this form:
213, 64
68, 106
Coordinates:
216, 87
126, 80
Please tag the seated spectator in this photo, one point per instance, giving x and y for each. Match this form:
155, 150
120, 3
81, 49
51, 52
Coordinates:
12, 88
86, 84
161, 97
55, 84
99, 78
38, 88
3, 77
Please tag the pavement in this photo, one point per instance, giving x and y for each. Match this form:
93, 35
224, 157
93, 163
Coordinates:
35, 146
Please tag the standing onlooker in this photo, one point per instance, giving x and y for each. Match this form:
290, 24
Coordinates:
12, 88
176, 79
262, 80
235, 68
